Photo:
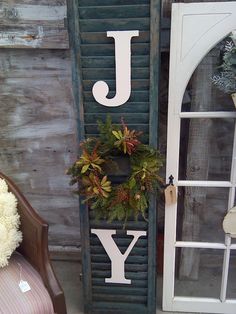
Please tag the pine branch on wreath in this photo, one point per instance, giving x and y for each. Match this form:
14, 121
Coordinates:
112, 201
225, 78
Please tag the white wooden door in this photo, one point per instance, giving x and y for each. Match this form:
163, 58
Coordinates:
205, 286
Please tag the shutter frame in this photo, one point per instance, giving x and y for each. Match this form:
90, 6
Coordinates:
144, 98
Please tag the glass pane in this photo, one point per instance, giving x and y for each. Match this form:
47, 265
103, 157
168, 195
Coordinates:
200, 214
231, 289
206, 147
213, 81
233, 241
198, 272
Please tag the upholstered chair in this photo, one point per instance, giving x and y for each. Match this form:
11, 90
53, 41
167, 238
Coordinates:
30, 263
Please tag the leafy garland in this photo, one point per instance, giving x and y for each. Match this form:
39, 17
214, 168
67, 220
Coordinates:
225, 79
99, 155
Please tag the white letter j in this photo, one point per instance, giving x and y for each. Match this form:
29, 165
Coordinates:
123, 71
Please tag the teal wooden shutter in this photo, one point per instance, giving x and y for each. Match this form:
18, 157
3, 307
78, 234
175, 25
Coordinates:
93, 60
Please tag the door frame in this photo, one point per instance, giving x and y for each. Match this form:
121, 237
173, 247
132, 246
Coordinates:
189, 44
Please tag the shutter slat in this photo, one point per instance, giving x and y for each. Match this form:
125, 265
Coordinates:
85, 3
103, 258
136, 283
114, 12
130, 225
144, 137
109, 49
111, 308
109, 73
109, 62
120, 298
118, 291
128, 267
135, 96
142, 242
116, 118
92, 129
135, 251
98, 25
129, 107
130, 275
136, 84
101, 37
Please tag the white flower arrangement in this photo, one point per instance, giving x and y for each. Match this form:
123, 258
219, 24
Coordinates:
10, 236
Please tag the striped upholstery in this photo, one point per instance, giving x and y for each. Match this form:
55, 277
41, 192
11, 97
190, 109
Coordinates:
12, 300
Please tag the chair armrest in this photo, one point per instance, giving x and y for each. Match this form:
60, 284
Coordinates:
34, 246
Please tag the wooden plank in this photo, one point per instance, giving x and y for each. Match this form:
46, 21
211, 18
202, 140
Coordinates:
109, 62
155, 10
101, 38
109, 73
129, 107
165, 40
40, 2
43, 37
109, 49
60, 236
78, 95
33, 25
154, 70
26, 65
114, 12
98, 25
65, 253
25, 13
35, 101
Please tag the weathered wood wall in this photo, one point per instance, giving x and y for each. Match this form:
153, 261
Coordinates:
37, 113
33, 24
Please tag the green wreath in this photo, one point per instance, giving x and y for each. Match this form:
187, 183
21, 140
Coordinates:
225, 78
99, 161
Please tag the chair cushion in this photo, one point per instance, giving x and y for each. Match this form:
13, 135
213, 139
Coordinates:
12, 299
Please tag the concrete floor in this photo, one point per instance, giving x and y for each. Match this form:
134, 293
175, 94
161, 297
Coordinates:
68, 274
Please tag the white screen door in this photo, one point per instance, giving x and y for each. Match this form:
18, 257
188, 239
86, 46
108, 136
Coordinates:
200, 259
